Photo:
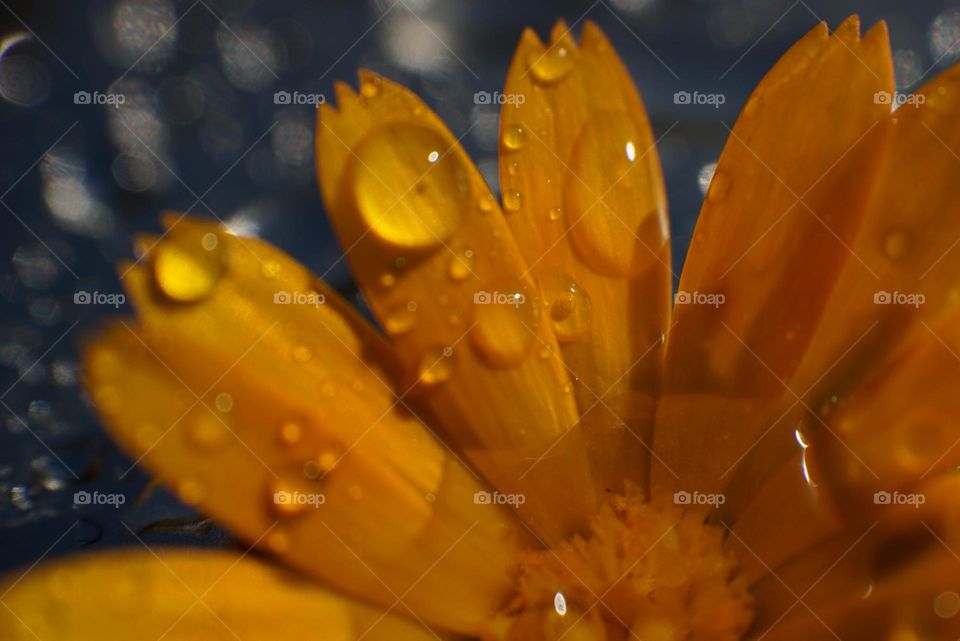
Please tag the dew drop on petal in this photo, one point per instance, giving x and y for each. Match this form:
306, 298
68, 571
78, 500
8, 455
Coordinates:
436, 366
550, 66
207, 433
405, 198
505, 324
568, 304
512, 201
555, 214
290, 433
186, 270
514, 137
401, 320
461, 264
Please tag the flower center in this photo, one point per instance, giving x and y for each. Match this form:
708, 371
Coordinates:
653, 571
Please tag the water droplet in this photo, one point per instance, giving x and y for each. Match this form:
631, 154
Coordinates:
624, 232
190, 491
555, 214
505, 324
401, 320
327, 460
185, 269
514, 137
436, 366
388, 280
461, 264
947, 605
551, 65
719, 187
210, 241
277, 542
147, 436
370, 87
569, 305
512, 168
486, 203
512, 201
223, 402
404, 198
895, 244
269, 269
207, 432
291, 433
301, 353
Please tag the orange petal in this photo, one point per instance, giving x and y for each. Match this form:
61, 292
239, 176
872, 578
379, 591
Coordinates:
775, 230
439, 267
584, 198
181, 595
261, 397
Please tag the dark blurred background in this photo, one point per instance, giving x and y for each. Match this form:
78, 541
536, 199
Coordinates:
200, 130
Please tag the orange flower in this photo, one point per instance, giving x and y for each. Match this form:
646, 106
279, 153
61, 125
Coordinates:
544, 447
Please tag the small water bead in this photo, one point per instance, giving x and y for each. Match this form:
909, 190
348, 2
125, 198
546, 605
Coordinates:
552, 65
514, 137
209, 241
505, 324
277, 542
291, 433
486, 203
207, 433
190, 491
436, 366
370, 87
512, 201
327, 460
569, 305
388, 280
512, 168
555, 214
461, 264
147, 436
269, 269
896, 244
405, 198
223, 402
946, 605
185, 269
301, 353
401, 320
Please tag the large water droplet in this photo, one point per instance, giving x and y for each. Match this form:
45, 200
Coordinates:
401, 320
512, 201
569, 306
514, 137
505, 323
187, 266
615, 223
436, 366
408, 190
551, 65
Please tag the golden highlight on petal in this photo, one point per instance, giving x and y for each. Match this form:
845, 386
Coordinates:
184, 595
430, 248
269, 404
577, 155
